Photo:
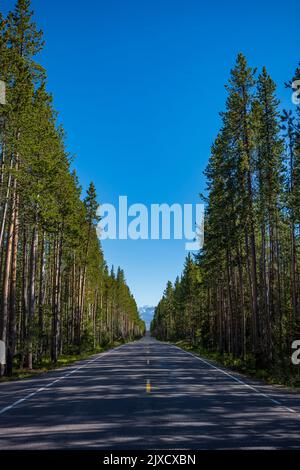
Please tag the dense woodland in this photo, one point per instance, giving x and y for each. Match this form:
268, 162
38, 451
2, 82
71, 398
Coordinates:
56, 294
240, 296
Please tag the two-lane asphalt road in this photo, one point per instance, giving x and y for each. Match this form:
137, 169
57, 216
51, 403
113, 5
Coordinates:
146, 395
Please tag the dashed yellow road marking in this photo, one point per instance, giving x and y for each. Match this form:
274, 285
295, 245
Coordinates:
148, 386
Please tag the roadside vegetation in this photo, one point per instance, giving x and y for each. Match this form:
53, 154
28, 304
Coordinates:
246, 367
64, 360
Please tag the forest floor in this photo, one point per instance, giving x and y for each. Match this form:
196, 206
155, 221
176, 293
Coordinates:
46, 365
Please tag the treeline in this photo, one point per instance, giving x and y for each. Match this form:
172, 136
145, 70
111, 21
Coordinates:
240, 296
56, 294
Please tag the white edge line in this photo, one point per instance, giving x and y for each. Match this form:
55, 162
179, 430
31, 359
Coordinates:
291, 410
32, 394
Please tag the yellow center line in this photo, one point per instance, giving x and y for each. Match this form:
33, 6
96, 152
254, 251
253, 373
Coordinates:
148, 386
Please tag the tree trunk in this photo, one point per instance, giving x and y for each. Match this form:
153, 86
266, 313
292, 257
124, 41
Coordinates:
12, 326
4, 319
32, 296
56, 312
42, 295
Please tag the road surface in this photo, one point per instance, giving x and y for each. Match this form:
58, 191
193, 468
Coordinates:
146, 395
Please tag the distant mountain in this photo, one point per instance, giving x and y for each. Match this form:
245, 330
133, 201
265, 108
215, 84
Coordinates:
146, 313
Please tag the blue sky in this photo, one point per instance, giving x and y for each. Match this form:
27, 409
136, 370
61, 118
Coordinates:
139, 85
